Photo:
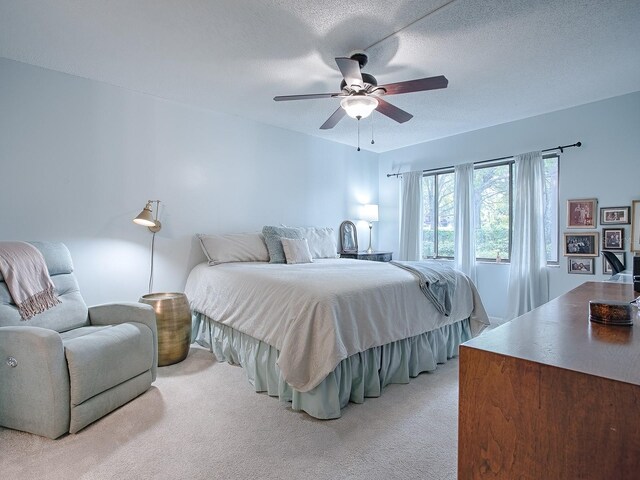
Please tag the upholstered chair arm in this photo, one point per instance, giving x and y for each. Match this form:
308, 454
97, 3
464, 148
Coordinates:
34, 381
115, 313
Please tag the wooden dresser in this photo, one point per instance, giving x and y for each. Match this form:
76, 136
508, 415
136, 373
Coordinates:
551, 395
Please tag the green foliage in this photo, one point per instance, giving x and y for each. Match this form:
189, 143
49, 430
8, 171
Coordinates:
446, 242
488, 243
491, 241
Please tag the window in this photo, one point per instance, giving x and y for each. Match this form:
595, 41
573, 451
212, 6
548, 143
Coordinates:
438, 234
493, 185
492, 201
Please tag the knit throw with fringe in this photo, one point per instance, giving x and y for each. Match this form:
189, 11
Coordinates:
27, 278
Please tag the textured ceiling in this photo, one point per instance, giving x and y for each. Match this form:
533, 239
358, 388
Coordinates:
505, 60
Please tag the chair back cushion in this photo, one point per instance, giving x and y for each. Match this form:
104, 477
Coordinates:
71, 313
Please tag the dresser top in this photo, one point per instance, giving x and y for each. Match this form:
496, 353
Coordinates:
560, 334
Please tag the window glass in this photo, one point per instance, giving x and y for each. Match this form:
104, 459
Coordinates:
446, 221
428, 224
491, 191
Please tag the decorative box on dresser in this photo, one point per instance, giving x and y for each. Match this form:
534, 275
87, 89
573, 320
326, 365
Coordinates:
374, 256
552, 395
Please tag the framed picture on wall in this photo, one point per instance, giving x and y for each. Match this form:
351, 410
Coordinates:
606, 266
581, 213
581, 265
581, 244
635, 227
613, 239
615, 216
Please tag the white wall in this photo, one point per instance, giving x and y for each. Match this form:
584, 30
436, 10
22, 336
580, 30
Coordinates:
606, 167
79, 159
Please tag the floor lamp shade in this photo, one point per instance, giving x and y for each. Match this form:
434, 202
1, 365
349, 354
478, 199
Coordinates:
145, 217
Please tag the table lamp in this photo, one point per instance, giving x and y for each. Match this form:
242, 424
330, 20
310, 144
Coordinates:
370, 214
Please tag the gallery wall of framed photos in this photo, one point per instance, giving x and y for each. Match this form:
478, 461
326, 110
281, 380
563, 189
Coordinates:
619, 232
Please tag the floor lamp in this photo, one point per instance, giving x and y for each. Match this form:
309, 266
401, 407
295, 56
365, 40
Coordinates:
146, 219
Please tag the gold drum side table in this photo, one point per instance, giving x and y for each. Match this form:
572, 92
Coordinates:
173, 319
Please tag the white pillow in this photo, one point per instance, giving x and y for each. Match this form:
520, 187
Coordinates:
234, 247
322, 241
296, 250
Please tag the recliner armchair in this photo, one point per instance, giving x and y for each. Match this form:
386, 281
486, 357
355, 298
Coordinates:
71, 365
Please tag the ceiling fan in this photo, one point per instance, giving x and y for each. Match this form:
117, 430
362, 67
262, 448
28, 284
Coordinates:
361, 94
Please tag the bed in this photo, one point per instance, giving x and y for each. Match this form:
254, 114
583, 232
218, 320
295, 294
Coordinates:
328, 332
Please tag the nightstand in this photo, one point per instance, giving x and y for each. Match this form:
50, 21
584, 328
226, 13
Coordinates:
173, 319
375, 256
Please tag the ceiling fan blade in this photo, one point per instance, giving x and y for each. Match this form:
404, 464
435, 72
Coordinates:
350, 70
282, 98
333, 120
393, 112
419, 85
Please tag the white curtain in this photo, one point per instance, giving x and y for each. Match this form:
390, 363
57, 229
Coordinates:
465, 223
411, 217
528, 284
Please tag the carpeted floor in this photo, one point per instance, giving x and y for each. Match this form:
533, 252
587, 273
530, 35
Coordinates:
202, 420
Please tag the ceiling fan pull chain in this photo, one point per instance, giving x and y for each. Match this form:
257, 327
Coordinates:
372, 142
358, 134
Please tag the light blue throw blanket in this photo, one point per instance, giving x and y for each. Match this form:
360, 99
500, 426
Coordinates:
437, 281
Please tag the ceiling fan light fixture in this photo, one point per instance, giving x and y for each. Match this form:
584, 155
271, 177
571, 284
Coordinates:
359, 106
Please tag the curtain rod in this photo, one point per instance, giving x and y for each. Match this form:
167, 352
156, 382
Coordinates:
561, 148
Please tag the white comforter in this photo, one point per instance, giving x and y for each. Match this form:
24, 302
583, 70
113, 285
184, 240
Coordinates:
318, 314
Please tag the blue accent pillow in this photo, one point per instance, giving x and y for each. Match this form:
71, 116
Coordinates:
272, 236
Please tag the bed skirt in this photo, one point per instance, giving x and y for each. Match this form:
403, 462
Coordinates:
361, 375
